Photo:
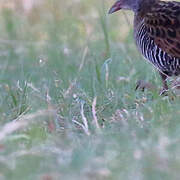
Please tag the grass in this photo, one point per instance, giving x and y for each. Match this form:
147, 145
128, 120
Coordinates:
68, 109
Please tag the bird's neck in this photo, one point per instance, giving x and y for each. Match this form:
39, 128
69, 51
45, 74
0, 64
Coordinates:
144, 6
138, 19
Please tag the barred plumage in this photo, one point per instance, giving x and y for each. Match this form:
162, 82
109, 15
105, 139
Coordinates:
156, 32
160, 59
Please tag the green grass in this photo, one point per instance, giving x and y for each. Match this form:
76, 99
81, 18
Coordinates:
65, 64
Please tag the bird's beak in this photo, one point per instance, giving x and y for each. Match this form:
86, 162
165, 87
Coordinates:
115, 7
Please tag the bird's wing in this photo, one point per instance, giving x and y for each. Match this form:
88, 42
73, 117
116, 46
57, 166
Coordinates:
163, 25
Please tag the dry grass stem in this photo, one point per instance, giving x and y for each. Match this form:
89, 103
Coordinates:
21, 122
107, 74
94, 113
83, 125
84, 119
69, 90
83, 58
11, 127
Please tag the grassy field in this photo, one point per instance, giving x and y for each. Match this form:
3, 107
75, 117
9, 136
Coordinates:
68, 105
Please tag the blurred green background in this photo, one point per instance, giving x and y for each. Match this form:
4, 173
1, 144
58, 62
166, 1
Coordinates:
68, 108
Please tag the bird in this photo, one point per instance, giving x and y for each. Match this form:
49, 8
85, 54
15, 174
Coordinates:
156, 29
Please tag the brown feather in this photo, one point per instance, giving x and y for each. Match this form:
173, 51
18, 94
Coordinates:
163, 25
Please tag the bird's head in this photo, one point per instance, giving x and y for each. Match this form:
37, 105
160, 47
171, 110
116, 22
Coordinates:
134, 5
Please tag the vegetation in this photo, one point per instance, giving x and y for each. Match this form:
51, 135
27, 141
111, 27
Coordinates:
68, 105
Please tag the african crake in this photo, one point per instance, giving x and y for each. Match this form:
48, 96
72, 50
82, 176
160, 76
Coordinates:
157, 33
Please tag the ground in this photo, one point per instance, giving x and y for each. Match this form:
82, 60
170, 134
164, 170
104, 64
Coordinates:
68, 105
